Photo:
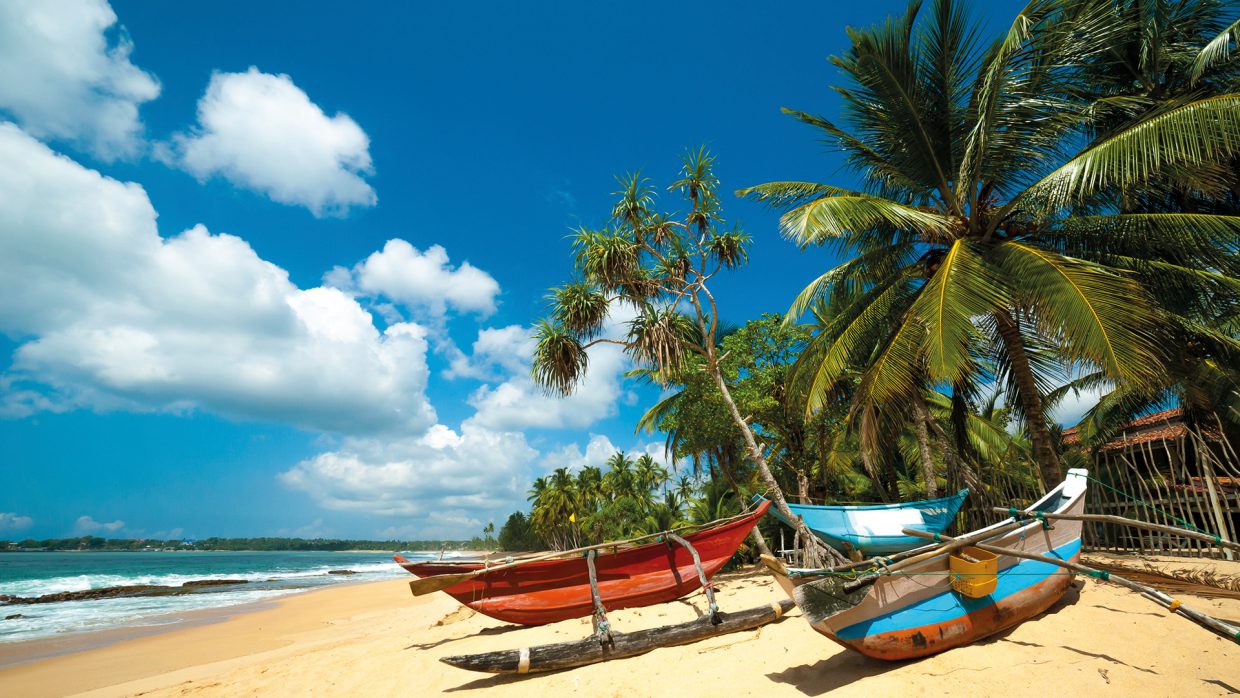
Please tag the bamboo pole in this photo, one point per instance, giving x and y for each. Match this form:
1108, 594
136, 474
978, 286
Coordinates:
1199, 516
1175, 606
1207, 472
1180, 500
1121, 521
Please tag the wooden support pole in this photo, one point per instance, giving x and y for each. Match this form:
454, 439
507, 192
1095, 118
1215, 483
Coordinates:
1122, 521
602, 628
706, 585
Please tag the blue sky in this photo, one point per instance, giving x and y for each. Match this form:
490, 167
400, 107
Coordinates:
268, 268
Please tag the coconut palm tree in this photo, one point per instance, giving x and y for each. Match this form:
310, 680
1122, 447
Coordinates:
555, 508
620, 480
984, 181
651, 476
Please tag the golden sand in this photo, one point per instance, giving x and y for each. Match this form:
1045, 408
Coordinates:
376, 640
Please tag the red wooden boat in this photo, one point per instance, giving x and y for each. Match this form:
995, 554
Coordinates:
548, 591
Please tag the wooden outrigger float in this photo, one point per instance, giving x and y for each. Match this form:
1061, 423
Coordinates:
591, 650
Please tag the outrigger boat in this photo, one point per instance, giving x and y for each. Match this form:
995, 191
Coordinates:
943, 596
538, 591
875, 529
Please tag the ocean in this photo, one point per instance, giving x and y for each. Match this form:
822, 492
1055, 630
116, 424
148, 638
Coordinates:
266, 575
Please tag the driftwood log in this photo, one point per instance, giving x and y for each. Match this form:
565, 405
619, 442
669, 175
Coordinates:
566, 655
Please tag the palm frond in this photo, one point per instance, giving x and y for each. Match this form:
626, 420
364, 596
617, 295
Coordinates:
1199, 133
1217, 51
1105, 318
823, 213
560, 361
963, 289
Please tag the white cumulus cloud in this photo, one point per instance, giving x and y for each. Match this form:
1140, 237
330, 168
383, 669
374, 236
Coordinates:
65, 76
475, 473
425, 282
498, 352
10, 521
110, 315
518, 403
261, 132
86, 524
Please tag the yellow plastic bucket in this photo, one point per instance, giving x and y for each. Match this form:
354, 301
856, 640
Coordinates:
974, 579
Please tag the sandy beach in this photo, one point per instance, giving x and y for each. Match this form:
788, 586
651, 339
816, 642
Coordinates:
376, 640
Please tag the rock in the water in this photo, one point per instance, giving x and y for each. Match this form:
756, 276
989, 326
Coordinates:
15, 616
191, 587
342, 572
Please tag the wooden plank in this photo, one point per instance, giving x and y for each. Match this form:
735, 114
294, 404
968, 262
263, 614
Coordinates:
567, 655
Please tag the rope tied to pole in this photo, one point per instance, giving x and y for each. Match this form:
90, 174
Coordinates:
1147, 505
1020, 515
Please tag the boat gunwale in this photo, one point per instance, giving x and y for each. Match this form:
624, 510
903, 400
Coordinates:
919, 504
609, 557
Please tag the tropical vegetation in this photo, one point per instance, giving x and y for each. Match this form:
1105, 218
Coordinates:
1051, 210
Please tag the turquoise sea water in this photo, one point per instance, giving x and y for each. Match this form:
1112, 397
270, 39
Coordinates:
268, 575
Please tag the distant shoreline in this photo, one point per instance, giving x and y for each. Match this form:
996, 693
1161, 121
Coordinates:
217, 550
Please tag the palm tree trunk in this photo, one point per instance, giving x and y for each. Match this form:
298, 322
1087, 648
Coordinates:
922, 428
1030, 399
802, 487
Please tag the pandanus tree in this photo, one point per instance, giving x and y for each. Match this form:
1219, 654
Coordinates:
658, 268
975, 243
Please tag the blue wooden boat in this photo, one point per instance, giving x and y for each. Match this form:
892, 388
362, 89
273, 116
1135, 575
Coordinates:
874, 529
939, 598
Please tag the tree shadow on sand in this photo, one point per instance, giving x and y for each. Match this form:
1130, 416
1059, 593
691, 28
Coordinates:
498, 630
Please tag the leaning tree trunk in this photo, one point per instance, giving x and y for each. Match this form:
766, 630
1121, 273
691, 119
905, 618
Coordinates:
816, 553
922, 427
1030, 399
758, 539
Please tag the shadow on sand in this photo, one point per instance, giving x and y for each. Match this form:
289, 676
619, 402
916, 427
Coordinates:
843, 668
499, 630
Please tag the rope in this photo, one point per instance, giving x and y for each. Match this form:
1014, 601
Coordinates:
1034, 515
1146, 504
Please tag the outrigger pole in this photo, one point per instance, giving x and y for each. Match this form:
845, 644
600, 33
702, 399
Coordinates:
1121, 521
